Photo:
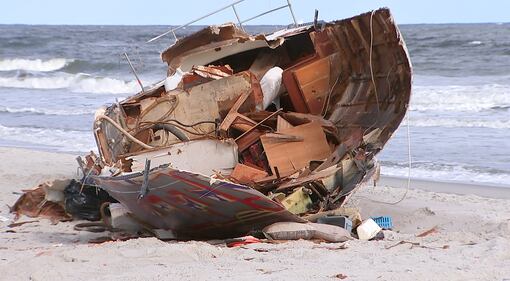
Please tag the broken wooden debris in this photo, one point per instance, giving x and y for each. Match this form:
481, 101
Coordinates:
16, 224
289, 157
247, 175
428, 232
249, 130
33, 204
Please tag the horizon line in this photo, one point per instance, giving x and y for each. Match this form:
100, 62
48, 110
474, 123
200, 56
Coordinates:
247, 25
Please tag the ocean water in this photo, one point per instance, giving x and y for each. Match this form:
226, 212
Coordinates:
53, 78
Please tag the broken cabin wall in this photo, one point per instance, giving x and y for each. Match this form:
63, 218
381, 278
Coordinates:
358, 102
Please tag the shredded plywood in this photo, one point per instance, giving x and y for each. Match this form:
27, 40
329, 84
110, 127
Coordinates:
245, 174
291, 156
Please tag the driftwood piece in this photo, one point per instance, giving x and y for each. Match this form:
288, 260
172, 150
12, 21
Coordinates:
428, 232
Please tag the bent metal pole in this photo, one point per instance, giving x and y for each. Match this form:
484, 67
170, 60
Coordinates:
134, 71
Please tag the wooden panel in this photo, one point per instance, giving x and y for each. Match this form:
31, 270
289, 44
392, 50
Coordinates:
250, 138
323, 44
244, 174
282, 124
313, 81
294, 92
293, 88
292, 156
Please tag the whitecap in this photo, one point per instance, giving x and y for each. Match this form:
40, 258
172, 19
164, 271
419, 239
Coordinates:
34, 64
80, 83
475, 43
468, 98
45, 111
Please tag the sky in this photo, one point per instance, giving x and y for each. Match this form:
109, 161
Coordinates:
168, 12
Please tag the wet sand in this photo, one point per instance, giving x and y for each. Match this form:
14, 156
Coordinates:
472, 241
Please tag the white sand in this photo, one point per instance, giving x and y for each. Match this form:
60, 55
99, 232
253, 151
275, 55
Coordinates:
475, 231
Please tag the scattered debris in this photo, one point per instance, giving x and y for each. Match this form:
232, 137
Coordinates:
244, 174
428, 232
84, 201
341, 246
384, 222
417, 244
351, 213
330, 233
33, 203
298, 202
340, 276
340, 221
241, 241
246, 133
368, 229
16, 224
91, 227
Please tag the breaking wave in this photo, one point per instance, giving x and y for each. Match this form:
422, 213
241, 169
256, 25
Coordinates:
60, 140
472, 98
80, 83
34, 64
475, 43
38, 111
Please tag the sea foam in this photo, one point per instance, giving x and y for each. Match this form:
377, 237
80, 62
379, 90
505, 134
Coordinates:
81, 83
34, 64
61, 140
46, 111
468, 98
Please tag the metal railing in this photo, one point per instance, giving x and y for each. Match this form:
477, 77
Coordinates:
239, 21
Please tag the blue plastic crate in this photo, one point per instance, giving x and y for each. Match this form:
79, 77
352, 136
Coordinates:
384, 222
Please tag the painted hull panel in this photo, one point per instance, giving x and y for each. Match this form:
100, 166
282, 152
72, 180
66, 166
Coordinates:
193, 206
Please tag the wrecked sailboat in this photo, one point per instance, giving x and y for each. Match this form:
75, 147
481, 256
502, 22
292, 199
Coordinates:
250, 130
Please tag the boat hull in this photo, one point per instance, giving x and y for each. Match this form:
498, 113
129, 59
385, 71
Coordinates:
193, 205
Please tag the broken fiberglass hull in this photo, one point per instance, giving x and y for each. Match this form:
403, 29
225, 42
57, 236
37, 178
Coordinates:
343, 90
192, 205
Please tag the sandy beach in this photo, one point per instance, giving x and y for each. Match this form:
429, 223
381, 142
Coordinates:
472, 241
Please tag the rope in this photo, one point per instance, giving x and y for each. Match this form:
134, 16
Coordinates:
370, 58
409, 162
409, 158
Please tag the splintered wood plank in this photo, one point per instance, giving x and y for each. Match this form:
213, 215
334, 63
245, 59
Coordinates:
292, 156
244, 174
313, 80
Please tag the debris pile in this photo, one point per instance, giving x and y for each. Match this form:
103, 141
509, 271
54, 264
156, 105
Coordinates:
246, 131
